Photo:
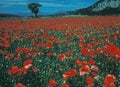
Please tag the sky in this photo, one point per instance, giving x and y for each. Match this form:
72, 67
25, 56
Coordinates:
19, 7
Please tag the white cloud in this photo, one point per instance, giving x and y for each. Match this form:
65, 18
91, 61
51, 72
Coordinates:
53, 4
8, 4
11, 0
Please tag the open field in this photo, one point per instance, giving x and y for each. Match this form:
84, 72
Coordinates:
60, 52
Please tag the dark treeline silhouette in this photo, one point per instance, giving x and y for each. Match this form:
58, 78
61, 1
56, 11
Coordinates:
34, 8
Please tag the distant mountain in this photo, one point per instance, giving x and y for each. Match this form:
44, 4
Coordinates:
102, 7
9, 15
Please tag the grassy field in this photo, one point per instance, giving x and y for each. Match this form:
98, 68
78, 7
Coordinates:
60, 52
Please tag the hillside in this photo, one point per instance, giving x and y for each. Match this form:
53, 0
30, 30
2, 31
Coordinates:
8, 15
102, 7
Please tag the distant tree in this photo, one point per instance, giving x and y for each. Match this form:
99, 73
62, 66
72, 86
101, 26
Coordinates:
34, 7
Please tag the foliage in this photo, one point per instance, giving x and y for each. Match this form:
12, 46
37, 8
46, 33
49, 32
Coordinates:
34, 7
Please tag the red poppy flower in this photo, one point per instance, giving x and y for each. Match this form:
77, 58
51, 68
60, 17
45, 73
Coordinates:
49, 45
110, 79
94, 68
27, 62
14, 69
34, 54
84, 63
84, 70
32, 41
99, 50
89, 46
2, 45
27, 50
92, 38
61, 56
50, 54
91, 61
69, 74
41, 44
41, 53
95, 75
35, 69
89, 80
52, 83
19, 85
55, 40
17, 58
81, 44
22, 70
9, 72
9, 56
84, 51
52, 38
19, 50
78, 62
70, 52
44, 34
107, 40
109, 85
91, 85
67, 43
65, 85
66, 75
28, 55
7, 44
115, 38
1, 51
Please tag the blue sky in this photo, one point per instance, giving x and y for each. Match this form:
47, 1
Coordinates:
19, 7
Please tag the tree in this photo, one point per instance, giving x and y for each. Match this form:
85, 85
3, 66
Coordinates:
34, 7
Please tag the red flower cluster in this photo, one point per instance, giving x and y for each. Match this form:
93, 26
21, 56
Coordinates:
24, 49
41, 44
19, 85
87, 51
90, 82
70, 52
61, 56
84, 70
69, 74
109, 81
49, 45
52, 83
27, 63
18, 71
65, 85
9, 56
14, 70
87, 67
80, 63
112, 50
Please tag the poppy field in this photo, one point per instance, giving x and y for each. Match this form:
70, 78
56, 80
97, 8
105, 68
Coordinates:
60, 52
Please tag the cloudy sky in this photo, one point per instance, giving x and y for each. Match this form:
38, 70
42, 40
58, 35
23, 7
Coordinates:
19, 7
